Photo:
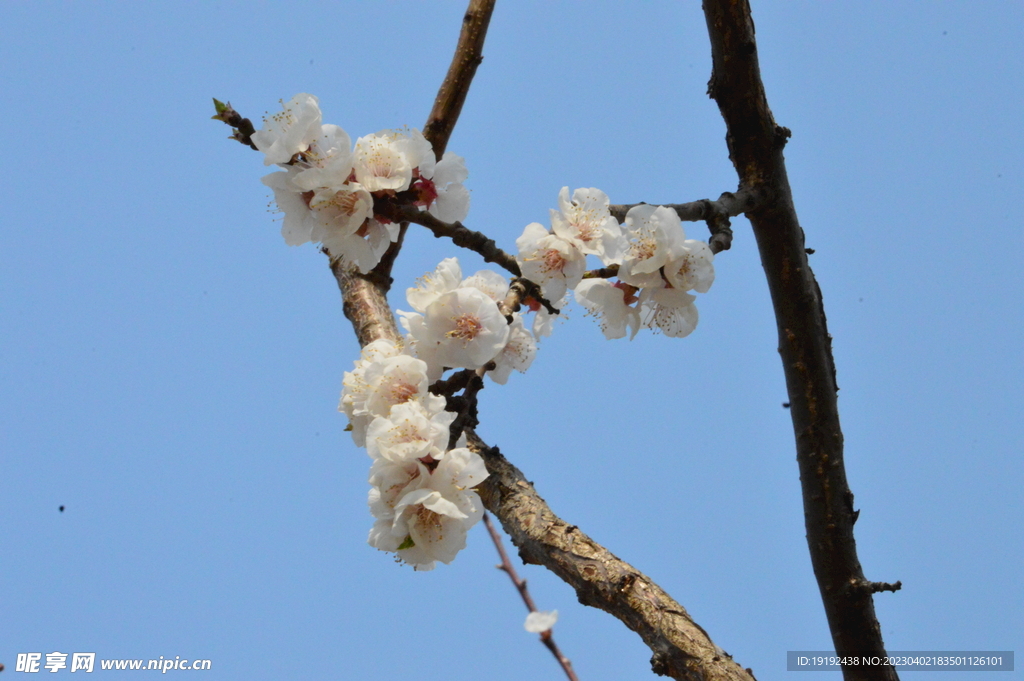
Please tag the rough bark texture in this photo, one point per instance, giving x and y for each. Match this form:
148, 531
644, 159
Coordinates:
682, 649
755, 147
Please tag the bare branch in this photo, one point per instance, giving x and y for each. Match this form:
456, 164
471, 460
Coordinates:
755, 148
682, 650
450, 98
452, 94
546, 636
462, 236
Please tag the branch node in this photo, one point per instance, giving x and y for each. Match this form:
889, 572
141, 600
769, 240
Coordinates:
864, 587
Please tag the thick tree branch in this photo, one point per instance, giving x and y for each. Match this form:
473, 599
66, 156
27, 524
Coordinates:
755, 147
365, 304
682, 650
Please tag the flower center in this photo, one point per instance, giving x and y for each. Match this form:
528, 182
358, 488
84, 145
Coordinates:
467, 327
402, 392
554, 261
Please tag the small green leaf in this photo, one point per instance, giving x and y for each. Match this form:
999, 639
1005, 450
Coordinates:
407, 544
220, 106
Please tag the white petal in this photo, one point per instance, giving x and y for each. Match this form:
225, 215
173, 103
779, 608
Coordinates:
540, 621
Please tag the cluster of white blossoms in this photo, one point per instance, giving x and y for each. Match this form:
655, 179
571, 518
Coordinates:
457, 324
421, 492
327, 187
657, 264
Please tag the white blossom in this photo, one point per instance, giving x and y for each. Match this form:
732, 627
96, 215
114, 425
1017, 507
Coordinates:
544, 321
654, 236
385, 160
339, 211
409, 432
586, 222
550, 261
328, 160
461, 328
488, 281
356, 390
375, 386
290, 131
298, 225
694, 270
517, 354
669, 309
452, 203
539, 621
608, 303
380, 164
423, 515
445, 277
365, 248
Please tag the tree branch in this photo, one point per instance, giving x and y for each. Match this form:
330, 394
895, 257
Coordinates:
462, 236
755, 148
450, 98
452, 94
715, 213
682, 650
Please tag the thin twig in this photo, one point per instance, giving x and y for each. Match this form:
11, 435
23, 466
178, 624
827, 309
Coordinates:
241, 128
462, 236
602, 272
546, 637
715, 213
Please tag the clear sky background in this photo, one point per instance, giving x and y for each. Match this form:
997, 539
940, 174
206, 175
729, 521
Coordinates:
170, 369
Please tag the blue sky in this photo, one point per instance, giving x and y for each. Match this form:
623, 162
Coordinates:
171, 368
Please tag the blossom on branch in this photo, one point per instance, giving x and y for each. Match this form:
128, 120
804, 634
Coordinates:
452, 202
654, 235
694, 269
327, 189
290, 131
517, 354
670, 310
423, 515
550, 261
612, 305
586, 222
461, 328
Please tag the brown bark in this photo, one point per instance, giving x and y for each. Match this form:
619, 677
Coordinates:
755, 148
